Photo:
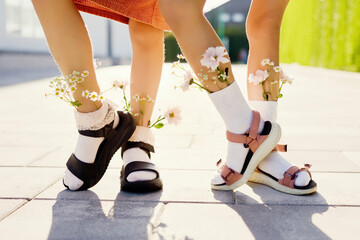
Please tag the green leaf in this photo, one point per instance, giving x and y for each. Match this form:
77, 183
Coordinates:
280, 95
75, 103
159, 125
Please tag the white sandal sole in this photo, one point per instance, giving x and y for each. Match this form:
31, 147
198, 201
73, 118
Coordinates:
264, 149
261, 178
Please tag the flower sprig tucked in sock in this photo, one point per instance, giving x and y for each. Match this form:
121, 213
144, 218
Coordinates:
274, 163
86, 147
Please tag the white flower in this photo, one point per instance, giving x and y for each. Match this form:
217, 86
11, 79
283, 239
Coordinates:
277, 69
148, 98
186, 82
137, 97
258, 77
101, 97
72, 79
72, 88
85, 74
213, 57
172, 115
80, 79
121, 84
86, 93
285, 78
93, 96
267, 61
180, 56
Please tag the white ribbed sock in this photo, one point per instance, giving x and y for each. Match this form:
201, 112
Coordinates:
87, 147
274, 163
141, 134
237, 116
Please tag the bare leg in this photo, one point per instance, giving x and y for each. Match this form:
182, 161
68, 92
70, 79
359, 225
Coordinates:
148, 56
69, 44
195, 35
146, 67
263, 31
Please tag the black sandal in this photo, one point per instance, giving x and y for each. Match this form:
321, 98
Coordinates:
91, 173
139, 186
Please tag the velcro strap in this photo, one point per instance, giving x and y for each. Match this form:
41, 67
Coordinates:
228, 175
280, 148
140, 166
78, 168
251, 139
105, 132
144, 146
254, 128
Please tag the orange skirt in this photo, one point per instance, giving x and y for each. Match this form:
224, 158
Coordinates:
146, 11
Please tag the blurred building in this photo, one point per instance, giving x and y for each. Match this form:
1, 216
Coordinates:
20, 31
229, 22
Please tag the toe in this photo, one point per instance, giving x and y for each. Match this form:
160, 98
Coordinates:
141, 176
217, 179
71, 181
303, 179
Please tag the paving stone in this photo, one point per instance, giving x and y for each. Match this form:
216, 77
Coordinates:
22, 156
46, 139
333, 189
195, 187
21, 182
354, 157
9, 205
327, 143
195, 221
170, 141
90, 219
56, 158
192, 158
322, 161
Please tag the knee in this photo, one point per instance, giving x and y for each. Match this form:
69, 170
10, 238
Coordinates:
181, 10
264, 24
145, 35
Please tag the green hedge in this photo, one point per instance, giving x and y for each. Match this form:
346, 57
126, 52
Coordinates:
322, 33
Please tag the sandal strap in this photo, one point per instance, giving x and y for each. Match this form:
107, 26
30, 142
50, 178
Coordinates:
144, 146
251, 138
104, 132
280, 148
79, 168
290, 175
140, 166
228, 175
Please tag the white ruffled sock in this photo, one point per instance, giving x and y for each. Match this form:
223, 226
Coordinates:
86, 147
274, 163
141, 134
237, 116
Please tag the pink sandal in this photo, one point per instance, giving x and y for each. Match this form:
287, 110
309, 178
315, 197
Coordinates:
287, 183
260, 145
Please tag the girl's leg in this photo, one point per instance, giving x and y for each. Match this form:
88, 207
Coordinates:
263, 32
70, 46
148, 56
195, 35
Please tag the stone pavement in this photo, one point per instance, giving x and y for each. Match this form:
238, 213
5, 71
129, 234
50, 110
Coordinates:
319, 115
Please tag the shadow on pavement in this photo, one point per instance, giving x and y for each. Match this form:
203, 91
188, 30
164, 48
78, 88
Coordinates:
86, 219
279, 221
